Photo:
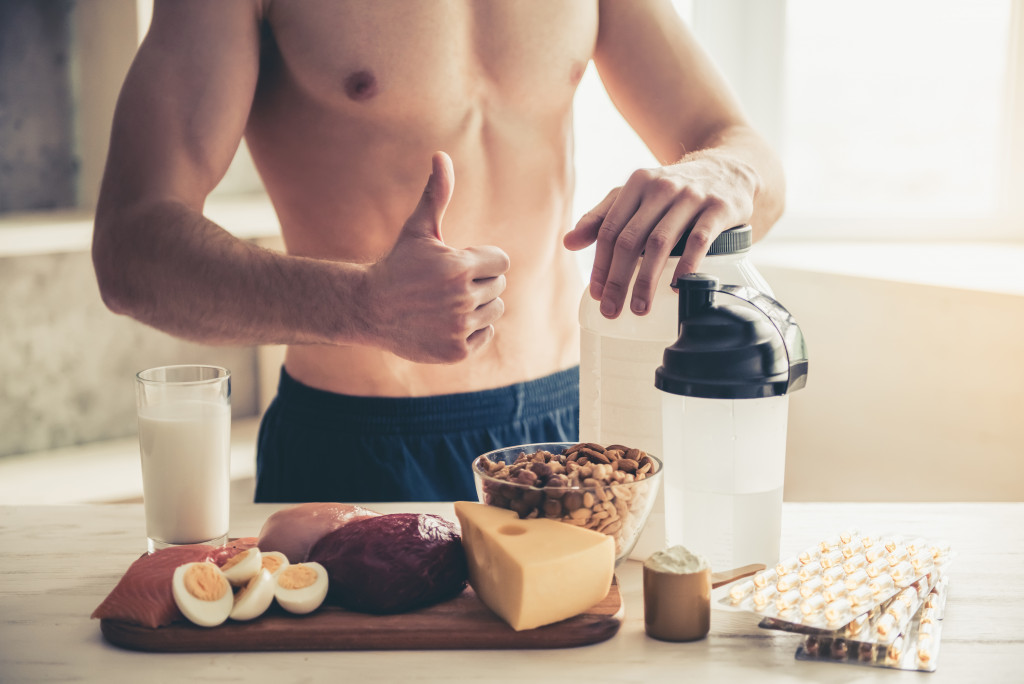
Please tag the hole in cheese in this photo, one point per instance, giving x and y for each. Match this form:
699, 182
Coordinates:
512, 530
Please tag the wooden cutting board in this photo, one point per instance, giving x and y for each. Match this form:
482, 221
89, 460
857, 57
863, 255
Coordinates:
461, 623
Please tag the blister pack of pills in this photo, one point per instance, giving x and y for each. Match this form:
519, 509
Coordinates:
856, 595
911, 641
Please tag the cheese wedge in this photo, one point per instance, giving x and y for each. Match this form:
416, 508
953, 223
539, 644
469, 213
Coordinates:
533, 572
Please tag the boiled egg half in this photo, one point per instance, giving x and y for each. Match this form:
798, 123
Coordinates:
301, 588
202, 593
242, 567
253, 599
274, 561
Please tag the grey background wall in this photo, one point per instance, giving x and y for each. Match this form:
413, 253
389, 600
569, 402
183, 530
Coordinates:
38, 164
67, 364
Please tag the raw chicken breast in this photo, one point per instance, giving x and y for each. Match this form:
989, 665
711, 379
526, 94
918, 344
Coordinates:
294, 530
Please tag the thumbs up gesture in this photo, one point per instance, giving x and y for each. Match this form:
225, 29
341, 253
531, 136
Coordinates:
432, 303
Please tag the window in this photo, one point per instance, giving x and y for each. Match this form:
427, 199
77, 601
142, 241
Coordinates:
894, 120
895, 108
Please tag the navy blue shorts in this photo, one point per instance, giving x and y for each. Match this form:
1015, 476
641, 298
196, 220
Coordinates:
321, 446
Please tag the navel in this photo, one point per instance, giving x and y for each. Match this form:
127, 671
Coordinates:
361, 85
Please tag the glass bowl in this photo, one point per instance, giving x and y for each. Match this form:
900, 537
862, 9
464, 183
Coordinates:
614, 498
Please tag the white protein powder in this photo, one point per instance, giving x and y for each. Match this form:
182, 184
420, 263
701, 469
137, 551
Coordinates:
676, 559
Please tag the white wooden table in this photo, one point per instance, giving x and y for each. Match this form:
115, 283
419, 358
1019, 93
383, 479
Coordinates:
58, 562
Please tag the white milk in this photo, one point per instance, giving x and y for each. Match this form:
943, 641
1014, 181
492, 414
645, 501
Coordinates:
186, 470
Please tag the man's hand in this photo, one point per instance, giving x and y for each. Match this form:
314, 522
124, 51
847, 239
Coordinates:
434, 303
703, 195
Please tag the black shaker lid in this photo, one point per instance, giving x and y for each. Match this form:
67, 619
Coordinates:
729, 350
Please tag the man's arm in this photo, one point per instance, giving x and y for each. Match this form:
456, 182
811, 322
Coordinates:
179, 119
717, 171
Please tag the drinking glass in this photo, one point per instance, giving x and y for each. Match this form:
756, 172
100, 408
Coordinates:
184, 414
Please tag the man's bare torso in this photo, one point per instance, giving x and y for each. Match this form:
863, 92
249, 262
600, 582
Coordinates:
352, 100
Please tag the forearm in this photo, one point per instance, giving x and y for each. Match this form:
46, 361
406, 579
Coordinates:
757, 164
166, 265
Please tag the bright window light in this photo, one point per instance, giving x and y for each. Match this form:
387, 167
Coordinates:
895, 108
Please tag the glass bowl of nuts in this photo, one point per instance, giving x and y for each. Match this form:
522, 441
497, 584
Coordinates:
609, 489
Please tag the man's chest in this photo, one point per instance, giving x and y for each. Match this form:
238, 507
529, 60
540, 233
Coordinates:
385, 57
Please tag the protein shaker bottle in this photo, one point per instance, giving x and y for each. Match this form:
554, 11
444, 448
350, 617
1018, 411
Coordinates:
618, 404
725, 385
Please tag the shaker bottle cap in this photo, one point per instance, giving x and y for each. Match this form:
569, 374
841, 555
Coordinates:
732, 241
727, 349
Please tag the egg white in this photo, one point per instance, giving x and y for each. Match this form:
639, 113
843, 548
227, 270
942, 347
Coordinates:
247, 566
255, 597
306, 599
205, 613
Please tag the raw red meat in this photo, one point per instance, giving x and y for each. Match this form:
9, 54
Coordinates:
393, 563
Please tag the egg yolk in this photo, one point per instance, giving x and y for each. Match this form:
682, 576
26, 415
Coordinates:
235, 560
297, 577
204, 582
271, 563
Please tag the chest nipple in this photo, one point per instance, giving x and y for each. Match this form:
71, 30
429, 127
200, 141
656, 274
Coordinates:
361, 85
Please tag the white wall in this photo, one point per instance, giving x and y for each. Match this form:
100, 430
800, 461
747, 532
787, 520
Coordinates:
915, 391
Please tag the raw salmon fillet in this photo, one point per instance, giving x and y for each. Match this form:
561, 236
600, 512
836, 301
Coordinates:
143, 596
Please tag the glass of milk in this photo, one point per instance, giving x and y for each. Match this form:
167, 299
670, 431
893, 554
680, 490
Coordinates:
185, 441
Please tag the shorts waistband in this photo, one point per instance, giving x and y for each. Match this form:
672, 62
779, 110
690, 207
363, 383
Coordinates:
440, 413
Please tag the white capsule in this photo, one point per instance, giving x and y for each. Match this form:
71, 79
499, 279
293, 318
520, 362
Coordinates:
812, 586
895, 650
886, 624
786, 566
856, 579
808, 555
852, 563
766, 578
812, 604
897, 610
832, 575
916, 545
897, 555
861, 596
882, 584
787, 600
741, 590
858, 624
808, 571
829, 543
831, 559
838, 611
875, 553
853, 548
879, 567
834, 591
922, 562
902, 573
763, 597
787, 582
